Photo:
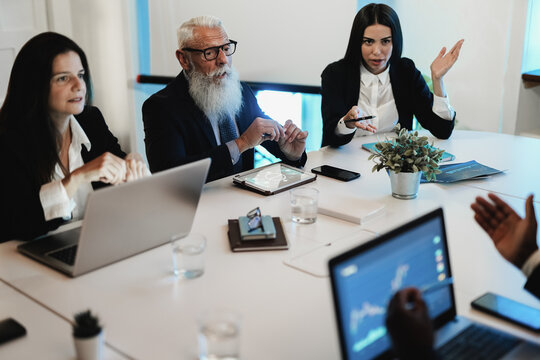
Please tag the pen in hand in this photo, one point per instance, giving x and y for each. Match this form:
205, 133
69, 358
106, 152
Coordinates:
360, 119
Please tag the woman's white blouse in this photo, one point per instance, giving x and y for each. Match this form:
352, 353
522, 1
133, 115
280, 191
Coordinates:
376, 98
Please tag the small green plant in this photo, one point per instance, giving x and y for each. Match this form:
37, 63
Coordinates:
408, 152
86, 325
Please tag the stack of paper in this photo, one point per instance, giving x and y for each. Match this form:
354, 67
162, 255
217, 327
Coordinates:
350, 208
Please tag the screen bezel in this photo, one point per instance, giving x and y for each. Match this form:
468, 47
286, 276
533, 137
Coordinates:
438, 321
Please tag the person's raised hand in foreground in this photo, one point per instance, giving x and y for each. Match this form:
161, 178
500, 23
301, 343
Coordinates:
513, 236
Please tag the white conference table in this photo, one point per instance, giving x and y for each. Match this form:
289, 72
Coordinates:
48, 336
287, 313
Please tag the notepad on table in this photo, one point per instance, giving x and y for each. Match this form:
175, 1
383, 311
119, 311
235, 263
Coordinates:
350, 208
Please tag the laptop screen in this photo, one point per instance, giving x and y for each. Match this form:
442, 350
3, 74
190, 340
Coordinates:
365, 278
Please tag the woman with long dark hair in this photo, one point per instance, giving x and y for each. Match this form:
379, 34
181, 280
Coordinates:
374, 80
54, 148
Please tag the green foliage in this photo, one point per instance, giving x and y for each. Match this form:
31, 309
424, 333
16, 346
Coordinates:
408, 152
86, 325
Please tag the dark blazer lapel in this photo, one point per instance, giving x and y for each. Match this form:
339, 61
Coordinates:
200, 119
397, 81
353, 84
204, 124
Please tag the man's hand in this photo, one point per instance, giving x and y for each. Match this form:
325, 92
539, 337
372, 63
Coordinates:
293, 143
408, 323
513, 236
260, 130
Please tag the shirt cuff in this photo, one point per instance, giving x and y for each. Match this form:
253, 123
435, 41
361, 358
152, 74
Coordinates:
55, 201
442, 108
532, 262
342, 129
234, 151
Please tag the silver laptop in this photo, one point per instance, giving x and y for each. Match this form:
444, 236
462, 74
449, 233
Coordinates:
415, 254
124, 220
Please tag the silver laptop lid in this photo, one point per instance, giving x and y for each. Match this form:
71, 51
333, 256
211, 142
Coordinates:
124, 220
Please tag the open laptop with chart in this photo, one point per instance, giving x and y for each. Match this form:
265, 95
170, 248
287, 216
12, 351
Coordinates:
124, 220
415, 254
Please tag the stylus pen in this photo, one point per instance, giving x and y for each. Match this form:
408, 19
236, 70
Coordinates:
426, 289
360, 118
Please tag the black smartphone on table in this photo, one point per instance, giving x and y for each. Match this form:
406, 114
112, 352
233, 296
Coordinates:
336, 173
10, 329
510, 310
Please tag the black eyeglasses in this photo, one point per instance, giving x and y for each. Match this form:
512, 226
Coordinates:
255, 220
212, 53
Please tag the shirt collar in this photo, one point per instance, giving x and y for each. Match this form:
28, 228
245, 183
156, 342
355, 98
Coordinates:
368, 78
78, 136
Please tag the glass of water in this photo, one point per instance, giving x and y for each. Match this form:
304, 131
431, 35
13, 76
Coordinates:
219, 335
188, 255
304, 203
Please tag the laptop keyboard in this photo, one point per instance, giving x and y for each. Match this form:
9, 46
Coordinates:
478, 342
66, 255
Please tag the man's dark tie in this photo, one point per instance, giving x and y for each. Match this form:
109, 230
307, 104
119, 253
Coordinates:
227, 130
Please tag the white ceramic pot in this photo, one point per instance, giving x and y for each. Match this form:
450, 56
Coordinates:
404, 184
90, 348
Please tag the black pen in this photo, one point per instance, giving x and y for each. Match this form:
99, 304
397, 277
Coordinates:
360, 118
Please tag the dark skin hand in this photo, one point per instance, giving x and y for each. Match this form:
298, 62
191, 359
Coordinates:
409, 325
513, 236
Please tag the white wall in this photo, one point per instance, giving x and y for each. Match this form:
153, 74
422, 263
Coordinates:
292, 42
102, 29
528, 118
106, 32
484, 84
280, 41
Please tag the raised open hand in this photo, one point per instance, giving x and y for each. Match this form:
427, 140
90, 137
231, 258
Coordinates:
444, 61
513, 236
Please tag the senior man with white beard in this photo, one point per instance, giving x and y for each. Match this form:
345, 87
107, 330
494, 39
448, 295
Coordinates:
207, 112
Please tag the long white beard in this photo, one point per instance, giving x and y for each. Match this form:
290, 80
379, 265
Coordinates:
216, 100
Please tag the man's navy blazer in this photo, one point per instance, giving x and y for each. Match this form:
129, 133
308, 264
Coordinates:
177, 132
340, 89
20, 207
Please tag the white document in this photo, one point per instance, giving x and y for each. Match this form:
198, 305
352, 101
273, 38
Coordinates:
350, 208
315, 260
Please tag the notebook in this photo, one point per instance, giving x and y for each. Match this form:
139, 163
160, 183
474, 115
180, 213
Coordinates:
364, 279
124, 220
278, 243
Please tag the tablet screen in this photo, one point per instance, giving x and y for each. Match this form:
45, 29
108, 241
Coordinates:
274, 177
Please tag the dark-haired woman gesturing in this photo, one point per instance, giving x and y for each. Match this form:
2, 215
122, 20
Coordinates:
374, 80
53, 147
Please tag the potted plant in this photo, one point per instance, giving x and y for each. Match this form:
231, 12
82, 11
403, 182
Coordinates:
88, 336
405, 158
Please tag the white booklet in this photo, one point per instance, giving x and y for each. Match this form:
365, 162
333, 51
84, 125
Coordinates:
350, 208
